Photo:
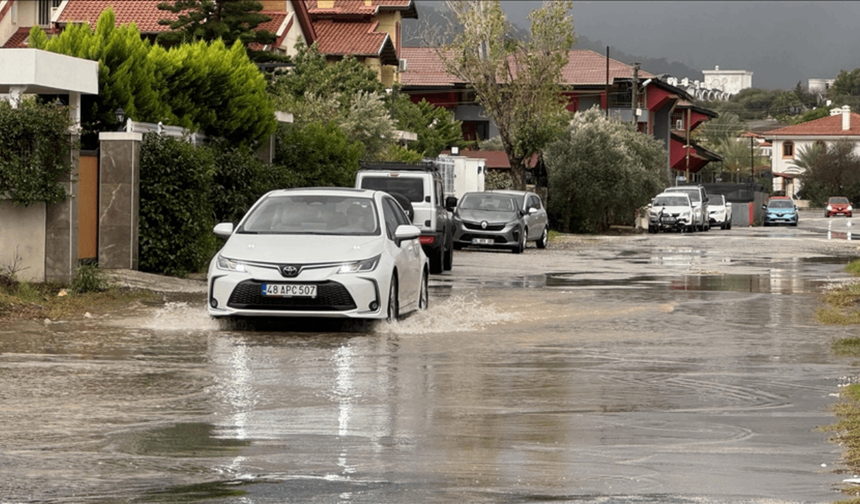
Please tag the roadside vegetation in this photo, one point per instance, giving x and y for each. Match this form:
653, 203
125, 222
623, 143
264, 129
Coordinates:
89, 292
843, 307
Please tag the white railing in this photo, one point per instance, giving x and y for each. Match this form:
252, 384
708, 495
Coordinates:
162, 129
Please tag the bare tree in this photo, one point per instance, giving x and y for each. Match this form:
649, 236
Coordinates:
517, 83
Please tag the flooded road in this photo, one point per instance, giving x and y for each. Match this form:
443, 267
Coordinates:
666, 368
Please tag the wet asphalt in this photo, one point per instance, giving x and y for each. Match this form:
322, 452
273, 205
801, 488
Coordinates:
631, 368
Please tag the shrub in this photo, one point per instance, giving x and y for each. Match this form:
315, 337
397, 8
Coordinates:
35, 143
88, 278
176, 215
315, 154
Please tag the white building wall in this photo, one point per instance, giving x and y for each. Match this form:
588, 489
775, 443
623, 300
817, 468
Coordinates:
22, 240
728, 81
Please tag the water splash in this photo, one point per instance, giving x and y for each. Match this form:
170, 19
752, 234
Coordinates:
458, 313
180, 316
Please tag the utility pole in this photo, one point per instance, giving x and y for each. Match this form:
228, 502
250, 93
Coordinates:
634, 101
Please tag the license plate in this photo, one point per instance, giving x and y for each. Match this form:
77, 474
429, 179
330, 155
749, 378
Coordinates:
483, 241
668, 220
290, 290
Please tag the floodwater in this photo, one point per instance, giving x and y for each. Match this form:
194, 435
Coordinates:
651, 371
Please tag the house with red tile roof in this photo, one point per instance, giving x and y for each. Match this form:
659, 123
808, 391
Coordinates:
790, 140
370, 30
592, 80
289, 22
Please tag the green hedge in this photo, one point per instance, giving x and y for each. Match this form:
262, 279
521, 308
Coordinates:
36, 152
176, 217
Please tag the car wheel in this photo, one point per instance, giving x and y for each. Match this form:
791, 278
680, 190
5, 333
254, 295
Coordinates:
424, 295
827, 215
519, 247
437, 260
393, 301
449, 256
544, 239
728, 224
652, 229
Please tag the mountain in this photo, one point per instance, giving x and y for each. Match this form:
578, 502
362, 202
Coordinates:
429, 29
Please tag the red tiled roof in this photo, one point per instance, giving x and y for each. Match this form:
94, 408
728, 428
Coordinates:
18, 39
360, 7
826, 126
143, 13
356, 38
492, 159
584, 67
425, 68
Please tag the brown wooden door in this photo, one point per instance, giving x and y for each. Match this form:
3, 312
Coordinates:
88, 206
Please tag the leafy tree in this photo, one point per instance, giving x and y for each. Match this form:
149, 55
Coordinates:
199, 86
35, 142
738, 156
810, 115
601, 172
846, 84
436, 127
715, 131
807, 155
833, 171
127, 77
216, 89
315, 154
517, 83
312, 74
211, 20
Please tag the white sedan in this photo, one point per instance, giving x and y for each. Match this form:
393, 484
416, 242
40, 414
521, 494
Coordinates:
323, 252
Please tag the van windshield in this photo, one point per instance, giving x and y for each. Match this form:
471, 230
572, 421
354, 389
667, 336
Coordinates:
692, 191
411, 187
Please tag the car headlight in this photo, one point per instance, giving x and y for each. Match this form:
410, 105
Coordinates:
360, 266
685, 215
829, 208
228, 264
849, 208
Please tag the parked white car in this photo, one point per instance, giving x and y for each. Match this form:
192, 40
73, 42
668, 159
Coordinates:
699, 198
324, 252
720, 211
671, 211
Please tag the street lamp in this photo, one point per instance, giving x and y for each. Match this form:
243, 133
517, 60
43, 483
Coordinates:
120, 117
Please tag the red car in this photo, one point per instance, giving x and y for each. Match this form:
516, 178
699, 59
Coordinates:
838, 205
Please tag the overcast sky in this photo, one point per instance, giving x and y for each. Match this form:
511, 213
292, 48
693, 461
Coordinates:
781, 42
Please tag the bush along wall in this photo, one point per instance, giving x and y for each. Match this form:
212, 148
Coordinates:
36, 145
176, 216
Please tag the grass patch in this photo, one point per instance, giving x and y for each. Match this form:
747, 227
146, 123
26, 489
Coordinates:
847, 347
88, 292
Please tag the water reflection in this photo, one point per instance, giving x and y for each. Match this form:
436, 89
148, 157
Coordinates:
838, 234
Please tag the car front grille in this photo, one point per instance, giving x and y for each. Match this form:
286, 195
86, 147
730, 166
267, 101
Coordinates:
331, 296
477, 226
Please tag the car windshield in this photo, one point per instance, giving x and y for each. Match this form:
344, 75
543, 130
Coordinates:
331, 215
671, 201
692, 191
781, 203
839, 201
411, 187
488, 202
716, 200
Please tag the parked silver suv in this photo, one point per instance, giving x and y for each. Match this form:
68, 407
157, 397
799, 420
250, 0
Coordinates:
699, 198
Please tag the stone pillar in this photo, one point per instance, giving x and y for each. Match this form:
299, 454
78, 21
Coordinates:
119, 199
61, 229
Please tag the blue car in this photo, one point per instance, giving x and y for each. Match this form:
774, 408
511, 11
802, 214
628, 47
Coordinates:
780, 211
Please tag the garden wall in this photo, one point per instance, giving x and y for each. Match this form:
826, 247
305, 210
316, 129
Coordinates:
23, 232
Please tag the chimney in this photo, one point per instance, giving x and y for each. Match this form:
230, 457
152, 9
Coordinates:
846, 118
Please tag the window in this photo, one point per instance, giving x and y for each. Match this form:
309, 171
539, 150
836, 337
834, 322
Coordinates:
45, 10
788, 149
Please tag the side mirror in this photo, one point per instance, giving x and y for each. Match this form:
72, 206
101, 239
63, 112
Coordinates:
224, 229
764, 207
450, 203
405, 232
532, 210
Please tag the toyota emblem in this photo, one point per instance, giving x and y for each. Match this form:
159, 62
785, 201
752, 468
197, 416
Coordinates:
484, 225
289, 271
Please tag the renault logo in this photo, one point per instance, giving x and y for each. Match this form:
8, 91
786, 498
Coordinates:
483, 224
289, 270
